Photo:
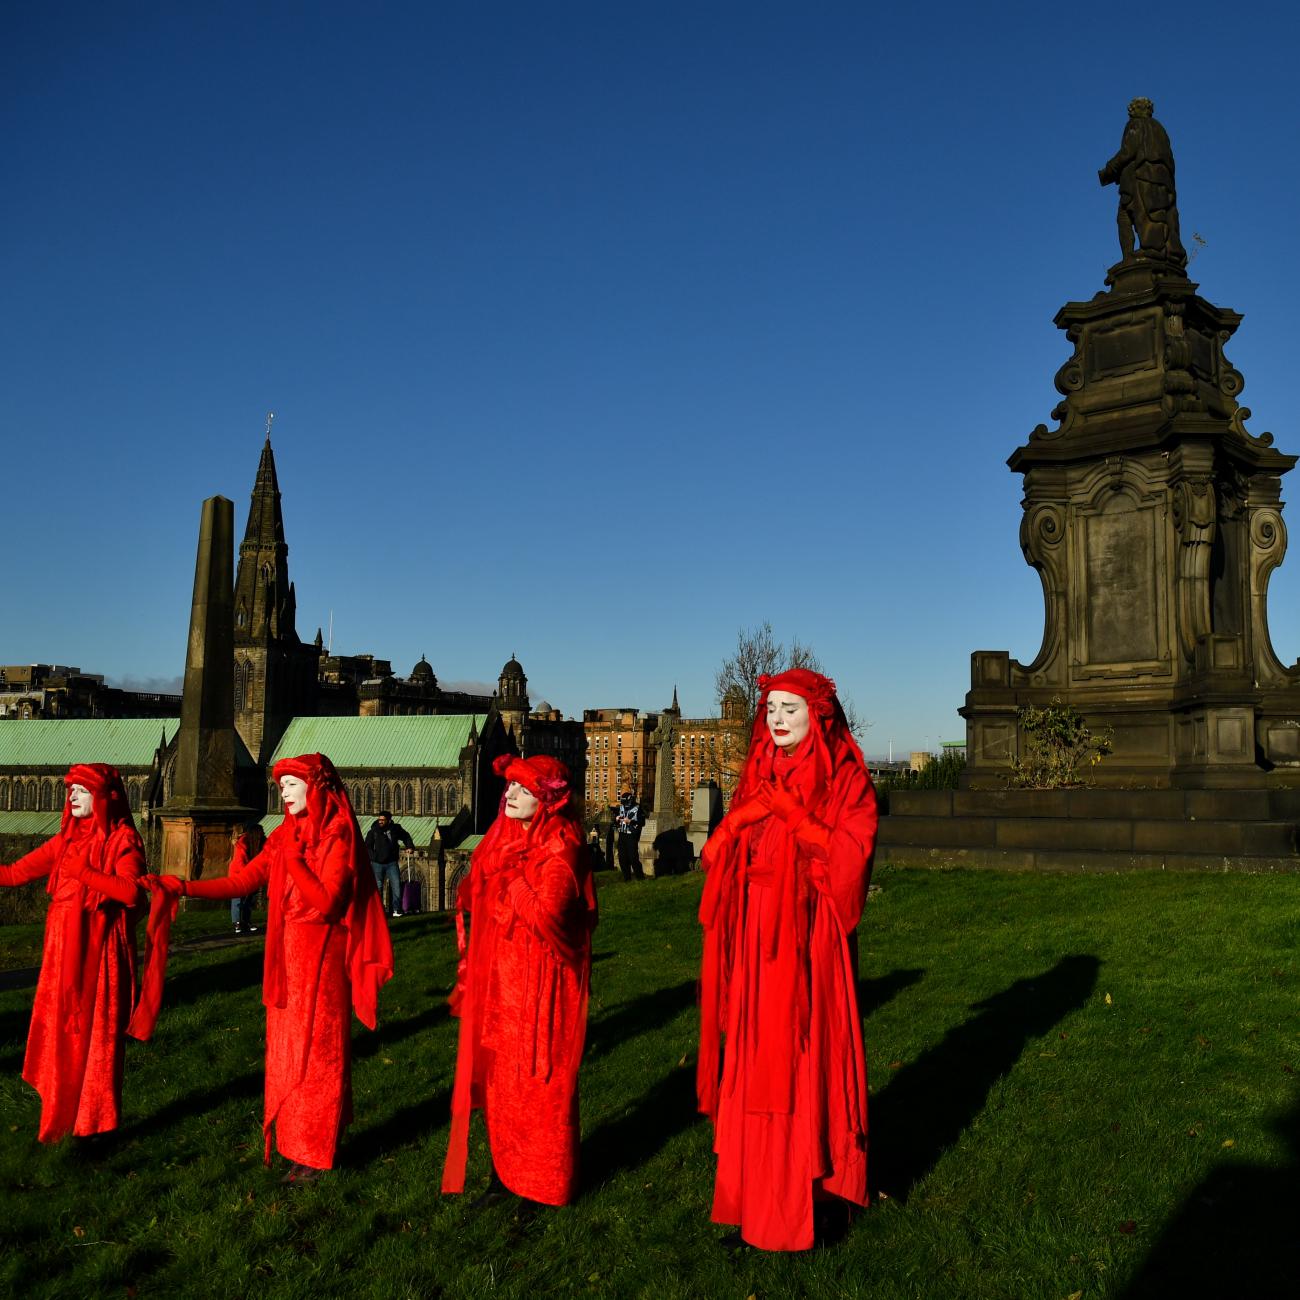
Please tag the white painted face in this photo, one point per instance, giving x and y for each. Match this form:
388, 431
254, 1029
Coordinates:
521, 804
787, 718
80, 801
293, 790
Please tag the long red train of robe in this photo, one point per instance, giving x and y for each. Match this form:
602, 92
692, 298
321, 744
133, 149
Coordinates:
791, 1114
522, 1000
76, 1046
323, 959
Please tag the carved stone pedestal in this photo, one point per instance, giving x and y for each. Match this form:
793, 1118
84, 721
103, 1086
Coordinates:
1154, 519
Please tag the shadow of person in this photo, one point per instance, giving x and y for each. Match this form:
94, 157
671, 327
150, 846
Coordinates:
1234, 1235
928, 1103
393, 1031
20, 977
191, 1105
413, 1123
191, 982
628, 1020
642, 1131
875, 991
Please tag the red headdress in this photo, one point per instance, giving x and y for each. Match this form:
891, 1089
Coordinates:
830, 742
548, 780
329, 812
111, 808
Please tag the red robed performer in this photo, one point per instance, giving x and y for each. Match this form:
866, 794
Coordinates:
522, 986
76, 1046
328, 952
787, 878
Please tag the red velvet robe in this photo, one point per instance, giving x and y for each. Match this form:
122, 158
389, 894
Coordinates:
76, 1046
321, 960
791, 1111
522, 998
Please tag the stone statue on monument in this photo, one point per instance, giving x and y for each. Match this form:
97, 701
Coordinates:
1144, 171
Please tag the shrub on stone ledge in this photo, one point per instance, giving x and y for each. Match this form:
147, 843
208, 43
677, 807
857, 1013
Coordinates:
1060, 749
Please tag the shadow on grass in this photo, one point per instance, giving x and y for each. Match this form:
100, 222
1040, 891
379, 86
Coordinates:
192, 1104
242, 972
1235, 1235
876, 992
389, 1032
23, 977
629, 1020
629, 1141
13, 1031
410, 1124
929, 1103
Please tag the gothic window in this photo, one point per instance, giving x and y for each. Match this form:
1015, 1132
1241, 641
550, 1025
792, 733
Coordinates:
410, 797
385, 796
428, 801
133, 795
19, 802
4, 795
47, 796
370, 799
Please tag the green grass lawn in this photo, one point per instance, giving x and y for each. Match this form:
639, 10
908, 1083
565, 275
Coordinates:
1080, 1086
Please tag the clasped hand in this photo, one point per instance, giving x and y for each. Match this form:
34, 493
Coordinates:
769, 799
173, 886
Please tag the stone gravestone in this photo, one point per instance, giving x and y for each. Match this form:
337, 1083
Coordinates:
706, 813
664, 848
1154, 519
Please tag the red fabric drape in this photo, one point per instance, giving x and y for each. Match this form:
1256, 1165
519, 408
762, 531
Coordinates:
75, 1049
782, 896
522, 991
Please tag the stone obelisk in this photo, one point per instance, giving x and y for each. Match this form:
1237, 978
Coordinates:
203, 807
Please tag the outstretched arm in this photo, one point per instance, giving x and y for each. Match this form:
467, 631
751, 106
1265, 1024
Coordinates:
239, 883
32, 866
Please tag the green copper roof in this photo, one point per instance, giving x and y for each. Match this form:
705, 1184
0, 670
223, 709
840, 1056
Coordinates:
60, 742
420, 828
402, 743
30, 823
470, 842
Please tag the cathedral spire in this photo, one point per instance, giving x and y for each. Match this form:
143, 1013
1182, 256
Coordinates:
265, 520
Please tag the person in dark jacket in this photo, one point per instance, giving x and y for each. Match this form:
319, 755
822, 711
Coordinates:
384, 842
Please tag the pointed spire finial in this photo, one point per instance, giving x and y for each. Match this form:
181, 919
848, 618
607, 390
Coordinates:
270, 419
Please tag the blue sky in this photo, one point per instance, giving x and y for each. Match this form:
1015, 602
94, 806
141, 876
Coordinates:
594, 332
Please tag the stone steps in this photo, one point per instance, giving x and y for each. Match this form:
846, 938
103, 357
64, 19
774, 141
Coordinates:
1094, 830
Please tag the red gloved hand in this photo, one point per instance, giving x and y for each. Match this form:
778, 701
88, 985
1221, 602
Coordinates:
76, 861
173, 886
749, 812
784, 804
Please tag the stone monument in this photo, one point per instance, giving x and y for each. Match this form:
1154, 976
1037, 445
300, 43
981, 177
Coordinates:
204, 806
1154, 519
706, 813
664, 849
